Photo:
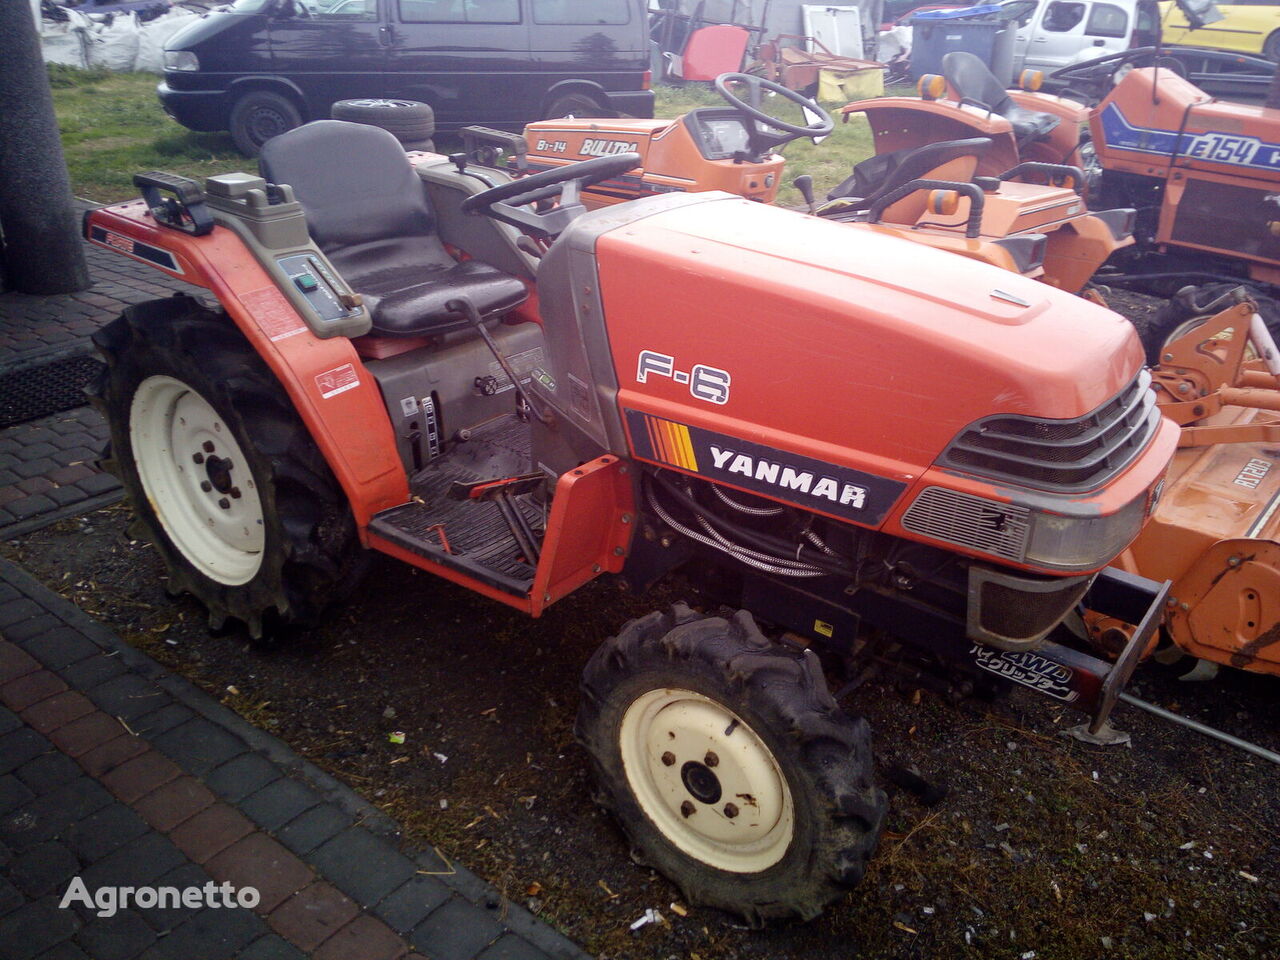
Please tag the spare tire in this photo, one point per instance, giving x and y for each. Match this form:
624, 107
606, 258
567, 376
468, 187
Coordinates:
408, 120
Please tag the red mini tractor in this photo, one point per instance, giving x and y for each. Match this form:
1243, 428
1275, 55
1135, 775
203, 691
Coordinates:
481, 378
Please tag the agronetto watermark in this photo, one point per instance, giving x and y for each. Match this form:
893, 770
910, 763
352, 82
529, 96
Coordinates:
108, 900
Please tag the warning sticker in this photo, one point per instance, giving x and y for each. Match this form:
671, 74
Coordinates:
338, 380
520, 363
273, 313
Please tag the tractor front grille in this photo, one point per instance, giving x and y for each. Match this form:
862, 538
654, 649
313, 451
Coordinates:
1060, 455
1015, 612
999, 529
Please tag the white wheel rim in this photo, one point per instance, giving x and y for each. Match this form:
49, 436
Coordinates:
197, 480
667, 738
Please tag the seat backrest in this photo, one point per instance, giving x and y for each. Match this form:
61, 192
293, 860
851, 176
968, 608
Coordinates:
354, 182
955, 160
972, 79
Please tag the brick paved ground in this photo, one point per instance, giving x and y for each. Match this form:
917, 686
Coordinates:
36, 328
47, 466
117, 772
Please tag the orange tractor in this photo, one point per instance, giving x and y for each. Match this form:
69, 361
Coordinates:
968, 195
479, 377
1202, 175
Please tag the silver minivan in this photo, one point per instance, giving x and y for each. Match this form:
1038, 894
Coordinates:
1057, 33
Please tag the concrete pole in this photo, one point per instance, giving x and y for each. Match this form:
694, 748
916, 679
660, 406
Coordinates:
42, 250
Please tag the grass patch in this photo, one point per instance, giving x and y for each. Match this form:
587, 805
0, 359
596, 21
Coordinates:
113, 127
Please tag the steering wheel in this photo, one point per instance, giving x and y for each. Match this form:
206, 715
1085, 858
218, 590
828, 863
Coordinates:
513, 202
1096, 74
765, 131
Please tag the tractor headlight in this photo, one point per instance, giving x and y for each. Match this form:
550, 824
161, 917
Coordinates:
181, 60
1082, 543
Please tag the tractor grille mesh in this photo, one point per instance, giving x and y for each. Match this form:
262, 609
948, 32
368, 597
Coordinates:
960, 518
1060, 454
1022, 614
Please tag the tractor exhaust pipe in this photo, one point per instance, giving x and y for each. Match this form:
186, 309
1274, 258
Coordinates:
1161, 712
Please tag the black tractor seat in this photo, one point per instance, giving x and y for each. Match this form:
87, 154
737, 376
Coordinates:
880, 175
974, 81
367, 210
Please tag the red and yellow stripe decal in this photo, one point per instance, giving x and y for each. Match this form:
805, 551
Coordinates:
671, 443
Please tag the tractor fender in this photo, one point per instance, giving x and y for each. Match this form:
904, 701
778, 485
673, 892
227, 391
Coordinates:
336, 397
1226, 607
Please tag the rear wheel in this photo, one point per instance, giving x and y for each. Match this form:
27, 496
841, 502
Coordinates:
728, 765
224, 478
575, 105
260, 115
1271, 49
1191, 306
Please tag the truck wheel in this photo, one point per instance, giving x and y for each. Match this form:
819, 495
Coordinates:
728, 765
410, 121
223, 476
577, 105
1191, 306
1271, 48
260, 115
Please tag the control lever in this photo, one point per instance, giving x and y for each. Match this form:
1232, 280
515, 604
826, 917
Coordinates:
468, 309
530, 246
502, 493
804, 183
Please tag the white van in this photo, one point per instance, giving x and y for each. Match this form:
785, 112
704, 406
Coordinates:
1057, 33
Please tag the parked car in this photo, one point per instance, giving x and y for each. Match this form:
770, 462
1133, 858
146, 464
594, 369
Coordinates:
1063, 33
1058, 33
1245, 27
260, 67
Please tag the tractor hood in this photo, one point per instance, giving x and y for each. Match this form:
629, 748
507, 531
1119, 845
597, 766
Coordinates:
805, 334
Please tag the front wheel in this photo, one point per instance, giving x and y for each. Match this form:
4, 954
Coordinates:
225, 479
728, 765
260, 115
